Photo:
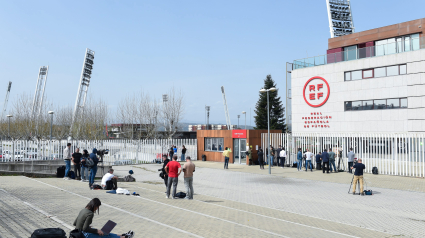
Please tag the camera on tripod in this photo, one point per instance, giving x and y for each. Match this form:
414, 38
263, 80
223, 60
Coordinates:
102, 152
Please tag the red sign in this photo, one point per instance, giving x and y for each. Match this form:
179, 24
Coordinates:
317, 91
238, 133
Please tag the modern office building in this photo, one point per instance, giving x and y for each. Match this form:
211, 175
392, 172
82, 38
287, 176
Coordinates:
368, 82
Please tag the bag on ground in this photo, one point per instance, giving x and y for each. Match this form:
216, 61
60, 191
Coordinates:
71, 174
181, 195
368, 192
374, 170
122, 191
130, 178
60, 172
76, 234
49, 233
109, 185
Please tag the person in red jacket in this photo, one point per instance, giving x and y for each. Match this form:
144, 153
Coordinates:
173, 170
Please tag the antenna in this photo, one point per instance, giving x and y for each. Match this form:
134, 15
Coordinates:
82, 91
37, 104
226, 111
6, 100
340, 17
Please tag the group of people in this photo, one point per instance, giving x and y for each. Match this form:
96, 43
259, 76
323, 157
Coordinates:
173, 151
277, 157
171, 171
81, 163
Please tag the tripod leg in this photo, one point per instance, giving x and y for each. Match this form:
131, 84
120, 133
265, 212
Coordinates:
351, 184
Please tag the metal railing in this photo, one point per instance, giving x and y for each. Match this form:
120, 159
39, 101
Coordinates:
120, 151
361, 53
392, 154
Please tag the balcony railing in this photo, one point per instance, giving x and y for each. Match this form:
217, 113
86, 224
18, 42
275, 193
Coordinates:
361, 53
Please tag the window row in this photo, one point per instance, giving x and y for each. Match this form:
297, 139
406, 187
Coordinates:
397, 45
214, 144
376, 72
392, 103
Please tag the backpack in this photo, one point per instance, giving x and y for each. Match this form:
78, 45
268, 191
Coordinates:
60, 172
71, 174
49, 233
130, 178
374, 170
180, 195
89, 162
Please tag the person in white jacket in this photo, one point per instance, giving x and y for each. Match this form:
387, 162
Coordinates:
282, 155
67, 157
308, 158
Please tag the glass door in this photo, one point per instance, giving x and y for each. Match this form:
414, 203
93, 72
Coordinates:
236, 151
243, 151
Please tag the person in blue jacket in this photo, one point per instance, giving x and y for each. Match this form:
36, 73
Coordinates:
300, 159
325, 161
319, 161
93, 169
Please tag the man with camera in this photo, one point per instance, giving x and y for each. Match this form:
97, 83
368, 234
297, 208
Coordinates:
358, 176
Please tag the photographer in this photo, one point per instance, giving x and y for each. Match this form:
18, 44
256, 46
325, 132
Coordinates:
358, 176
164, 173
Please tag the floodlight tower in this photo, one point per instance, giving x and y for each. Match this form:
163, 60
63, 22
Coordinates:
226, 111
37, 104
82, 90
340, 17
6, 100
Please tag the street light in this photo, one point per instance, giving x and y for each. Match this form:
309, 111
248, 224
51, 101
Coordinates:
238, 120
245, 118
268, 124
8, 133
51, 124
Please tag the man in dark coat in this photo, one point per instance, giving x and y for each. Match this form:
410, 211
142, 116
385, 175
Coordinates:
166, 160
325, 161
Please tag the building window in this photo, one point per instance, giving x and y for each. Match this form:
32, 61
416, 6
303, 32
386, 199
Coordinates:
214, 144
350, 53
377, 104
376, 72
368, 73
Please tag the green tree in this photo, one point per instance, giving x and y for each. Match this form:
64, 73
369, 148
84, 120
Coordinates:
277, 122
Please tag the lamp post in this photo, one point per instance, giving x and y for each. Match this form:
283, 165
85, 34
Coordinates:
8, 133
51, 123
268, 124
245, 118
238, 120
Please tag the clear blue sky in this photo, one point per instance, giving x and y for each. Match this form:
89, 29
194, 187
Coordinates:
197, 46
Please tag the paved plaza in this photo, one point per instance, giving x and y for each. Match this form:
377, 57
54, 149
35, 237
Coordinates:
240, 202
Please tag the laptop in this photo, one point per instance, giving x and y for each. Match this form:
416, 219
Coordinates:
107, 228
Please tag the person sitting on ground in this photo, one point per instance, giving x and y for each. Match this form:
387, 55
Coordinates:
358, 176
85, 218
109, 181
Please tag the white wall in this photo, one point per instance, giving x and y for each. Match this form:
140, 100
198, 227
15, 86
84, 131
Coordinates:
411, 85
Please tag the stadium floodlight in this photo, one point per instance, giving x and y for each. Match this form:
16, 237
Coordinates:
340, 17
82, 91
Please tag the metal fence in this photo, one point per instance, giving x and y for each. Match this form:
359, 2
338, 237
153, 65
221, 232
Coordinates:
392, 154
120, 151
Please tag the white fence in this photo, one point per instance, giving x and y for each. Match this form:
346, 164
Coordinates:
392, 154
120, 151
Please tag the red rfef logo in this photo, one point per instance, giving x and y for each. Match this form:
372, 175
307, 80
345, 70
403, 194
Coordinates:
316, 91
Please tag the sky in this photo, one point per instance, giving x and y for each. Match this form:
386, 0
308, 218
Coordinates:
193, 46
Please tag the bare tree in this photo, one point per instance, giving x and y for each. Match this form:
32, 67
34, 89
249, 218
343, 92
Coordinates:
94, 120
172, 112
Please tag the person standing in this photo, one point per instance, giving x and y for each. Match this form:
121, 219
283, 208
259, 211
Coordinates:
272, 155
358, 176
250, 155
76, 159
188, 169
308, 157
166, 160
226, 153
171, 151
325, 161
283, 157
332, 160
278, 158
299, 160
260, 157
84, 168
67, 157
350, 156
183, 153
319, 161
173, 170
93, 170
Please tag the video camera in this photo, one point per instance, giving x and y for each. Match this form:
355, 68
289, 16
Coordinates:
102, 152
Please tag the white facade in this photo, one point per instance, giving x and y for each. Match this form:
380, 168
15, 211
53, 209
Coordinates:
410, 86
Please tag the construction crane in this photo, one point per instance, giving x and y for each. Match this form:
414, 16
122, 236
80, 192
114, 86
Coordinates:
37, 104
226, 111
6, 100
82, 90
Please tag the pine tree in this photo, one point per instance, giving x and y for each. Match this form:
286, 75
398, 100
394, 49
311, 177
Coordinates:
277, 122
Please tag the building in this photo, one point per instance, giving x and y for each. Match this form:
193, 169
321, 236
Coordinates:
368, 82
211, 144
